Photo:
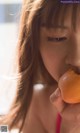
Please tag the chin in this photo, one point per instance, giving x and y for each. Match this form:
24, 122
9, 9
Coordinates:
56, 78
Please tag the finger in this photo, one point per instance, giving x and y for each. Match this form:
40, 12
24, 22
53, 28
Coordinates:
57, 101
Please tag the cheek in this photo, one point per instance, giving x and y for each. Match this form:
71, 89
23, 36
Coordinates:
50, 60
53, 59
52, 54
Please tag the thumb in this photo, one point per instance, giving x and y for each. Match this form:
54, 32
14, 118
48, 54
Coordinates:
57, 101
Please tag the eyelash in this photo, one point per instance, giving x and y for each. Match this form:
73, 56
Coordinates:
56, 39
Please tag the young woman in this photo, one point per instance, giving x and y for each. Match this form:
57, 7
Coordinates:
49, 45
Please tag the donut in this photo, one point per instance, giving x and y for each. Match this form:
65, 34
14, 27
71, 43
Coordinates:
69, 84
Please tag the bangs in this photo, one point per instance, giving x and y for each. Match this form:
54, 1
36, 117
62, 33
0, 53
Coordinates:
55, 14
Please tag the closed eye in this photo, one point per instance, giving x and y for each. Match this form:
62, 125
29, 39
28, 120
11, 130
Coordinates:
56, 39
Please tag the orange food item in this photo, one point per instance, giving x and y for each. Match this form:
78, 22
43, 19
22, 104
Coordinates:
69, 85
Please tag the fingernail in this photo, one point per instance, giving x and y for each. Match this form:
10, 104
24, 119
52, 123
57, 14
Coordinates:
55, 95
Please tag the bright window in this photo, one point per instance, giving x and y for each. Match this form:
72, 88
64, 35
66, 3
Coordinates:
9, 18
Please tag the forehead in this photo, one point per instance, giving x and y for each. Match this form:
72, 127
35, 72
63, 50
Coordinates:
63, 15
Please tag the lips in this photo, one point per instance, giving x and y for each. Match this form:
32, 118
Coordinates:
69, 85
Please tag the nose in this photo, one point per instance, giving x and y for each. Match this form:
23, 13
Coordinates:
73, 57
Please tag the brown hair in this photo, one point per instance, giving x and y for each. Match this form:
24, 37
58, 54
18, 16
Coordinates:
30, 65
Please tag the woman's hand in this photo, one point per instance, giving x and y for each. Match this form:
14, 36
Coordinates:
69, 112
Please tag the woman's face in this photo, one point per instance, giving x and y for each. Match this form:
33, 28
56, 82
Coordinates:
60, 47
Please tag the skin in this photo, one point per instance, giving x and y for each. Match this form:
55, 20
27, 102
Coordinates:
58, 57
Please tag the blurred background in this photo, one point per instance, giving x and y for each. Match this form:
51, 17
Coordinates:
9, 21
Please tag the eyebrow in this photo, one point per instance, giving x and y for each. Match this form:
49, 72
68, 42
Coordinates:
55, 26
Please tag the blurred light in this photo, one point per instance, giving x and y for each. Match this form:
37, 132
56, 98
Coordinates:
10, 1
